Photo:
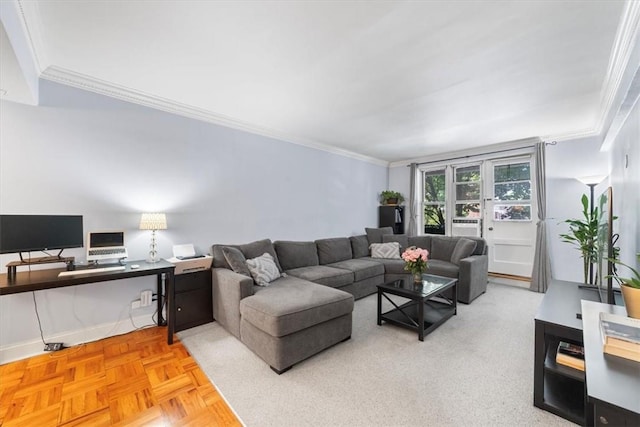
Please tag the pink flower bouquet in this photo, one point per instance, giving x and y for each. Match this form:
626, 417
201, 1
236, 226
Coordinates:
415, 259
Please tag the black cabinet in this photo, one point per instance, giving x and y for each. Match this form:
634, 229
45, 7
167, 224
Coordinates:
609, 415
391, 216
556, 388
193, 300
613, 383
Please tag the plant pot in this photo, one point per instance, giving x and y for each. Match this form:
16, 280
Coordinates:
631, 298
391, 201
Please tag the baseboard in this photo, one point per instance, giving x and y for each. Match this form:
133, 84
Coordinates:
508, 279
35, 347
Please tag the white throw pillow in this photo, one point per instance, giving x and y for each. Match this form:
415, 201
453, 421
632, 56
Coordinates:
263, 269
390, 250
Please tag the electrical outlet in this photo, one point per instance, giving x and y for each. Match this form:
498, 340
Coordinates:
146, 298
53, 346
135, 304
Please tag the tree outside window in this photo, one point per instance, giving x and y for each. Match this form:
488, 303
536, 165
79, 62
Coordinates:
512, 192
434, 202
467, 181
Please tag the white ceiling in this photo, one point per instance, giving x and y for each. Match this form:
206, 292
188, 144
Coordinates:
389, 80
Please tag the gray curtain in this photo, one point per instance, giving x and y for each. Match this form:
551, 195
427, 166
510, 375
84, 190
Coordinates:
413, 200
541, 274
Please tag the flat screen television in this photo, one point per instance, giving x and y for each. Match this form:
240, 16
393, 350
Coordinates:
605, 247
26, 233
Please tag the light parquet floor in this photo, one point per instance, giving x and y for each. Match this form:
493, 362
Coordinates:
135, 379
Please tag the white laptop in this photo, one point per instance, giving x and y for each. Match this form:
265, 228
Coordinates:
106, 245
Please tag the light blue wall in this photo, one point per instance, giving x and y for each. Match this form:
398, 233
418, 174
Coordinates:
624, 163
567, 161
108, 160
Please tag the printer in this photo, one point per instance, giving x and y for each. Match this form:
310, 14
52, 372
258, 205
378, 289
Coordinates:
187, 261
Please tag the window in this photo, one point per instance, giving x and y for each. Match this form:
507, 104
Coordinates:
434, 201
467, 185
512, 192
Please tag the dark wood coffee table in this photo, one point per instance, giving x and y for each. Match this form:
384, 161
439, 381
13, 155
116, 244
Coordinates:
427, 307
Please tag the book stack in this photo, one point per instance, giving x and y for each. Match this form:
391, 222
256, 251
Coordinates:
620, 336
571, 355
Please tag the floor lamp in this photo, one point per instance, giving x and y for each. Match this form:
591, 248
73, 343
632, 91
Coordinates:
153, 222
591, 182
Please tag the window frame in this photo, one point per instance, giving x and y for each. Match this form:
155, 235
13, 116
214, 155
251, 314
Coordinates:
519, 202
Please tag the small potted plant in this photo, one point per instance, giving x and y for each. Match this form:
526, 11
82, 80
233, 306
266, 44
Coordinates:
630, 287
389, 197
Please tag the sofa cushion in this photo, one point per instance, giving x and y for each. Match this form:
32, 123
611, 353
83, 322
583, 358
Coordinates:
362, 269
423, 242
324, 275
442, 247
290, 305
464, 248
480, 245
236, 260
296, 254
391, 266
389, 250
402, 239
263, 269
249, 250
219, 261
442, 268
359, 246
333, 250
257, 248
374, 235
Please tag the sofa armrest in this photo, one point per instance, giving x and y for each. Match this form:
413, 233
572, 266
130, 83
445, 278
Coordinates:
473, 277
229, 288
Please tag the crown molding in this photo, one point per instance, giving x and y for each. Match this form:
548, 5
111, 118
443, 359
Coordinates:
584, 133
471, 152
102, 87
622, 50
31, 29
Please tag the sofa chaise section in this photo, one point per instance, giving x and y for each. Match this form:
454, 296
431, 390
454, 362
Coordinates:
285, 322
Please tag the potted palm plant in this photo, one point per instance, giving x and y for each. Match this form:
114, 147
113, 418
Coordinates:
630, 287
583, 234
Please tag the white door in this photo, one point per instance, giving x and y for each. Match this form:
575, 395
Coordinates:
510, 215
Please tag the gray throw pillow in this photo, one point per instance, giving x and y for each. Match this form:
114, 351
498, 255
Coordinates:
402, 239
389, 250
375, 234
464, 248
236, 260
263, 269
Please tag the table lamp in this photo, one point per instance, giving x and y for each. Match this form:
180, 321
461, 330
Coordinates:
153, 222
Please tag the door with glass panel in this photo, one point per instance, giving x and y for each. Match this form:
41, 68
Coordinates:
510, 210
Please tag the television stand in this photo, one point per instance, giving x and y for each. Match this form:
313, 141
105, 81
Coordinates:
12, 266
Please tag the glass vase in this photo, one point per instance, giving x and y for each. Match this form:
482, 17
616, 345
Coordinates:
417, 277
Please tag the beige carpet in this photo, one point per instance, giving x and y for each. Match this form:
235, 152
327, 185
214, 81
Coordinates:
474, 370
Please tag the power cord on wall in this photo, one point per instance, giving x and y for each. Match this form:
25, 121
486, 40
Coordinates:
52, 346
35, 306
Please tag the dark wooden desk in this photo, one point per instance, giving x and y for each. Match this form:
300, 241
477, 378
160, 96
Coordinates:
613, 384
38, 280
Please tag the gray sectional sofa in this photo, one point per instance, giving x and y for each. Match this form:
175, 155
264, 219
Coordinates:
308, 307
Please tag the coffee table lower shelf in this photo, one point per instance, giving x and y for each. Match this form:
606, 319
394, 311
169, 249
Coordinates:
407, 315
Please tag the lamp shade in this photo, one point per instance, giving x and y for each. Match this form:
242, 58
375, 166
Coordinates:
153, 221
592, 180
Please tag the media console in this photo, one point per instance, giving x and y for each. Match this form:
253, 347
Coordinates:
38, 280
600, 394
